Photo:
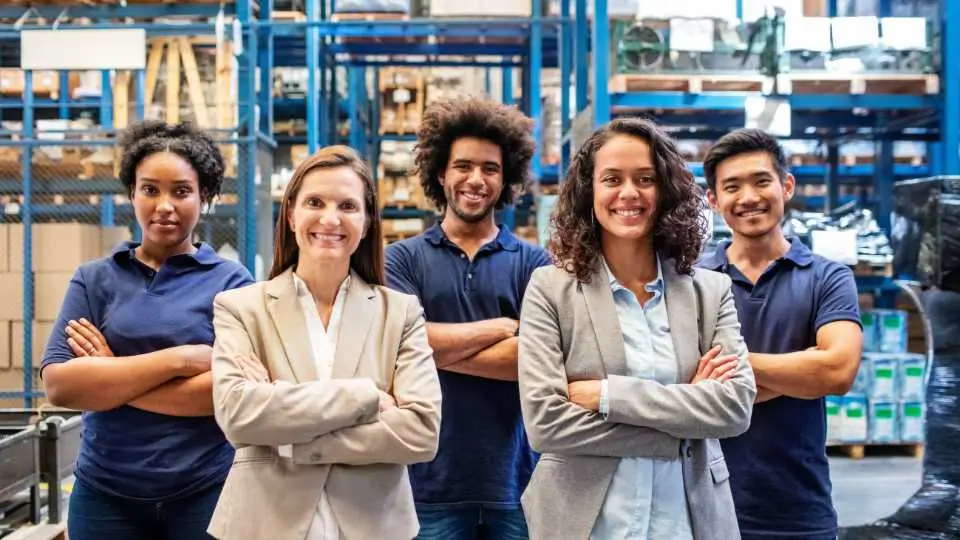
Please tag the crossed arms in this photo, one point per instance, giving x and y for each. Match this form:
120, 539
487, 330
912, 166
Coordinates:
330, 421
645, 418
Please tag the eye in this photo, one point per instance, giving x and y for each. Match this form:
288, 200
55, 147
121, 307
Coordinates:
184, 191
312, 202
349, 205
646, 179
491, 170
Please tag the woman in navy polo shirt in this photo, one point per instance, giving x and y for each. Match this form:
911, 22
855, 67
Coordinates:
132, 348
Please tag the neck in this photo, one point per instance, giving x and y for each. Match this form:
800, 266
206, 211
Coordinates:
758, 251
154, 255
459, 230
323, 279
633, 262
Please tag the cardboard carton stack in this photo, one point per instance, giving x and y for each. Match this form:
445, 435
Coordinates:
58, 249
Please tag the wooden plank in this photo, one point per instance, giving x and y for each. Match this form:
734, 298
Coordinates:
692, 83
821, 82
194, 86
154, 58
173, 83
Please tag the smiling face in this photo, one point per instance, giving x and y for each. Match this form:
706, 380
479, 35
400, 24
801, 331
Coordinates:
750, 195
473, 179
328, 217
624, 189
166, 200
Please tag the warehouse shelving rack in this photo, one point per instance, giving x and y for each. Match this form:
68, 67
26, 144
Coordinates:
240, 220
526, 45
884, 118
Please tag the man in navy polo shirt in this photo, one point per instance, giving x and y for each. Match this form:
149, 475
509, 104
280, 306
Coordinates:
801, 322
470, 276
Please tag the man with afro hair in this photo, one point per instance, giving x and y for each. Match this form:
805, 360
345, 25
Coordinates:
472, 156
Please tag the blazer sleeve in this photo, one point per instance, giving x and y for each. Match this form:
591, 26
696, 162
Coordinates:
705, 410
279, 412
553, 423
406, 434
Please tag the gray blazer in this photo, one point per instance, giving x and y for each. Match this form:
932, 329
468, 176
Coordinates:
569, 331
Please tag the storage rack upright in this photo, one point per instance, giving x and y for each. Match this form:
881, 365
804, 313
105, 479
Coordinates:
235, 219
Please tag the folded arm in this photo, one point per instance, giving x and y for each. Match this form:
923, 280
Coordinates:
281, 412
404, 435
191, 396
709, 409
498, 361
453, 343
554, 424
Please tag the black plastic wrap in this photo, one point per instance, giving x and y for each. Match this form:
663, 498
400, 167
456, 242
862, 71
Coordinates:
925, 231
932, 513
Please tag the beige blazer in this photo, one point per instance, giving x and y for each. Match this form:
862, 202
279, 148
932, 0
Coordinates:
570, 331
340, 440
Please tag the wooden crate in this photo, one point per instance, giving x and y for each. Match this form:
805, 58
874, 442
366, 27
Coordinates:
819, 82
690, 83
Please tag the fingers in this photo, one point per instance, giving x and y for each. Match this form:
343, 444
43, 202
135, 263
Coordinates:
77, 349
87, 338
252, 369
81, 344
711, 354
725, 370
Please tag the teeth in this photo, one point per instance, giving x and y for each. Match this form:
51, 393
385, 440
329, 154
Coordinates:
628, 213
752, 213
473, 196
327, 237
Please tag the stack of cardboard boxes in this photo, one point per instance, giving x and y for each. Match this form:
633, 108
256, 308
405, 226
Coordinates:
58, 249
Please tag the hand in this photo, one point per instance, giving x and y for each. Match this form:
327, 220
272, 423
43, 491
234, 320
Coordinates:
712, 366
193, 359
253, 369
508, 325
387, 401
585, 394
85, 339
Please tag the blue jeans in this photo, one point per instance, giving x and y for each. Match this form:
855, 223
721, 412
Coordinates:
96, 516
474, 522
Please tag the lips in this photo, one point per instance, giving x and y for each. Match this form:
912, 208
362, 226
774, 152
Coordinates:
327, 237
753, 212
473, 197
629, 212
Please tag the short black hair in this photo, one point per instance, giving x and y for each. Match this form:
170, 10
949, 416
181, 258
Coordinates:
192, 144
743, 141
446, 121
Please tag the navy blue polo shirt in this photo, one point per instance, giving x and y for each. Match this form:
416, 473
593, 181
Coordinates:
778, 469
129, 452
484, 456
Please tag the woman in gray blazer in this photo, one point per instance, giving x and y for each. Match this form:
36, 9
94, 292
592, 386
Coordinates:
631, 365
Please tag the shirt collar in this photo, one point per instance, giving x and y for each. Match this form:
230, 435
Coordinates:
204, 254
799, 254
303, 290
655, 286
504, 240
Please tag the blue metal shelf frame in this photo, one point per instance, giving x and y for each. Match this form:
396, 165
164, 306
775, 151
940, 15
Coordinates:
934, 119
255, 115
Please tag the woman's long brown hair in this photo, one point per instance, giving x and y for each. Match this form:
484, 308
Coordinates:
367, 260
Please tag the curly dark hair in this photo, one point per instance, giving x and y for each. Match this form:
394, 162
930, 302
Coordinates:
446, 121
192, 144
679, 228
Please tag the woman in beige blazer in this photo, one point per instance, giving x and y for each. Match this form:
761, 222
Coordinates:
631, 364
323, 378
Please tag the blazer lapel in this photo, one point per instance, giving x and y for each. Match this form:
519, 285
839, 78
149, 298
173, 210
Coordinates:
682, 313
359, 313
289, 322
606, 324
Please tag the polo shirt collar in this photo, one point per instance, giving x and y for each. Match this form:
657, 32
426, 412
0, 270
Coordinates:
798, 254
204, 256
504, 240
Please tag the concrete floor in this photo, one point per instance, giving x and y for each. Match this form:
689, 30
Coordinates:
873, 487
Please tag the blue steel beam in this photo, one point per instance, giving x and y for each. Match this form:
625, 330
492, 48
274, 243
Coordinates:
602, 100
535, 60
313, 65
133, 11
951, 86
26, 216
265, 51
249, 124
733, 101
475, 29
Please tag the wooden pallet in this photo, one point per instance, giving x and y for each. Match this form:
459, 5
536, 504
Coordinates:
819, 82
858, 451
690, 83
864, 268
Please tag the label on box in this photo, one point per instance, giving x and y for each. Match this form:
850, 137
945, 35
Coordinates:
854, 420
883, 376
911, 377
834, 406
911, 421
870, 331
893, 332
883, 422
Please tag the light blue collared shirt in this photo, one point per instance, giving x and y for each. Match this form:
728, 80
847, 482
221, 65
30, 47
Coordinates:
646, 499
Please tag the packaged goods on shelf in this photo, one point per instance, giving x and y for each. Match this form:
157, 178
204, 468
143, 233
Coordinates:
872, 247
926, 231
373, 6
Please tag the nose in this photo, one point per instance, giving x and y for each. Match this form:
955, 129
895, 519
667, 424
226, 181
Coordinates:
165, 205
749, 196
330, 216
628, 191
476, 176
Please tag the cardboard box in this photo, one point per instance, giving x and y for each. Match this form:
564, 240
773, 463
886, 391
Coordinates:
11, 380
5, 351
57, 247
41, 332
111, 237
11, 291
4, 247
50, 289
